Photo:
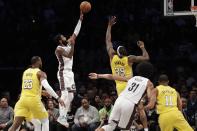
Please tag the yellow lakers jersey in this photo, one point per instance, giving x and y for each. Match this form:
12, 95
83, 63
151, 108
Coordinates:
31, 86
166, 99
121, 67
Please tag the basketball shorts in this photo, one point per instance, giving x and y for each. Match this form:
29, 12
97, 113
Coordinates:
30, 107
173, 119
66, 80
122, 114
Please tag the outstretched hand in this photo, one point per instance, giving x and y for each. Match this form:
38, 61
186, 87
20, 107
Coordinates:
140, 44
93, 76
81, 15
112, 20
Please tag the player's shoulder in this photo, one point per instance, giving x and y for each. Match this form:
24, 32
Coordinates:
58, 48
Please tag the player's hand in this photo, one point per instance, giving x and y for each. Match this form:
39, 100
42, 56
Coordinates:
112, 20
61, 102
45, 93
71, 40
93, 76
81, 15
140, 44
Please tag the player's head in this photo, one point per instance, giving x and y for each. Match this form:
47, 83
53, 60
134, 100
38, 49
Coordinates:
36, 62
163, 79
144, 69
60, 39
121, 51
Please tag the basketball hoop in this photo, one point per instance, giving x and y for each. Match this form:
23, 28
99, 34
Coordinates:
194, 12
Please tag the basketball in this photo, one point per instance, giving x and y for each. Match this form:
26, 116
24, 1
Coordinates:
85, 6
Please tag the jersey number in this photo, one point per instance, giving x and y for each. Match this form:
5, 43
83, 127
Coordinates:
28, 84
168, 100
120, 71
133, 87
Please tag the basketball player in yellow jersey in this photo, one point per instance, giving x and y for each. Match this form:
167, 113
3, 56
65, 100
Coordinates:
121, 63
30, 103
168, 104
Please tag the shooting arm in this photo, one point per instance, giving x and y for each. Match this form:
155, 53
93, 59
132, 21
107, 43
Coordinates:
78, 27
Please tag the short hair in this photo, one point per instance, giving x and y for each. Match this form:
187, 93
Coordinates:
57, 38
35, 59
144, 69
121, 51
163, 78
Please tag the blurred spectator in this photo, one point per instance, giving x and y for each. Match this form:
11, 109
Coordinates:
136, 124
104, 113
86, 117
184, 107
6, 114
97, 102
192, 108
53, 115
152, 118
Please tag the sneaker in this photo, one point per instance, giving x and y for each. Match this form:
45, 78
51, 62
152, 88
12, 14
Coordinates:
63, 121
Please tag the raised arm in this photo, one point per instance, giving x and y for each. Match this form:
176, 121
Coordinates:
108, 76
71, 41
77, 28
143, 57
109, 46
43, 80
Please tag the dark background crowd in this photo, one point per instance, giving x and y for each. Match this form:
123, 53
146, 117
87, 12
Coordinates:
27, 28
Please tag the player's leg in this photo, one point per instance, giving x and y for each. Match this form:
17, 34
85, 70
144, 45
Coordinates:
39, 113
20, 113
17, 123
45, 124
166, 122
127, 114
143, 117
69, 101
62, 119
37, 124
181, 124
64, 96
113, 118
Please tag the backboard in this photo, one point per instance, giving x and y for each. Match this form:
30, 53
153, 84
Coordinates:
179, 7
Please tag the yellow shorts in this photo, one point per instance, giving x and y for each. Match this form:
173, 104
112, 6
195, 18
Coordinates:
173, 119
30, 107
120, 88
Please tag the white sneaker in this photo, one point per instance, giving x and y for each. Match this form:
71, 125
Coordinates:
63, 121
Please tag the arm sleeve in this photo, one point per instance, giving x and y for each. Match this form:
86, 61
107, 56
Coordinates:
77, 28
49, 89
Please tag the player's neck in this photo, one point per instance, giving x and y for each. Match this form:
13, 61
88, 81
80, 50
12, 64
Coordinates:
34, 66
164, 84
62, 44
